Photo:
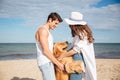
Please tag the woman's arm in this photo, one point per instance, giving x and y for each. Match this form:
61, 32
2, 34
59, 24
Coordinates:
76, 48
67, 54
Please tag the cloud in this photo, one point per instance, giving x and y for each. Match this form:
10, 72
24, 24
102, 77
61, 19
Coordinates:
35, 12
104, 18
30, 8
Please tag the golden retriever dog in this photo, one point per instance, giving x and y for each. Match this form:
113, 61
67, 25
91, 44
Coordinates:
71, 66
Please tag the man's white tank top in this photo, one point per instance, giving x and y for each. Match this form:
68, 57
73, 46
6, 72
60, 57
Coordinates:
41, 58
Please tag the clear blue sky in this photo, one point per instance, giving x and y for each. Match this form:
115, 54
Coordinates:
19, 19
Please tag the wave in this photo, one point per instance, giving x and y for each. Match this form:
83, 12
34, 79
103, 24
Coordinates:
108, 55
17, 56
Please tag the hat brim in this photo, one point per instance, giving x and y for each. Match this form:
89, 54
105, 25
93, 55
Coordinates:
72, 22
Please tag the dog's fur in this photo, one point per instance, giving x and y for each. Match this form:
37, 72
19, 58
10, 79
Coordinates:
71, 66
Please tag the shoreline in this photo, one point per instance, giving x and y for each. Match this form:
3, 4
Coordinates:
27, 69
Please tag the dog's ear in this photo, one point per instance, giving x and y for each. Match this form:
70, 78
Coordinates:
55, 51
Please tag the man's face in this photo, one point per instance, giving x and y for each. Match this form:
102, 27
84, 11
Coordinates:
54, 24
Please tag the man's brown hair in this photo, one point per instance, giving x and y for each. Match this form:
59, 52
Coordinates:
54, 16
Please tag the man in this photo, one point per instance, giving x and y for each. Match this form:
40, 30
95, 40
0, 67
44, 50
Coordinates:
44, 45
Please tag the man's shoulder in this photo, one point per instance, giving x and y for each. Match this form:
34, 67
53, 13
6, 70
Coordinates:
42, 30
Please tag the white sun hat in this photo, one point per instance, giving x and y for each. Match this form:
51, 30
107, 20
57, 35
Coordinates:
76, 18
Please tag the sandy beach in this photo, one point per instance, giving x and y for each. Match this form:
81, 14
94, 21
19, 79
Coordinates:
27, 69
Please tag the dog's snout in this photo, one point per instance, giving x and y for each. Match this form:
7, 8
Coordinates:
67, 42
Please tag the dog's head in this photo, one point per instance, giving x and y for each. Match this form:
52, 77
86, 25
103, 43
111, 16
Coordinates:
59, 48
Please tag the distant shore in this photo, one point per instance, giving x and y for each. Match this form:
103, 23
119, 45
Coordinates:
27, 69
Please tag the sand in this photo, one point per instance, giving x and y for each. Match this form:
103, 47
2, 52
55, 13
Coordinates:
107, 69
19, 70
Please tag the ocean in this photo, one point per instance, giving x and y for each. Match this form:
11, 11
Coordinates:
9, 51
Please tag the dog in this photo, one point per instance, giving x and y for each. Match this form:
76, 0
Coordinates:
71, 66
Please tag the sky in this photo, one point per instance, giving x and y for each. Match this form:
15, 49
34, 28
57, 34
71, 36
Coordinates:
20, 19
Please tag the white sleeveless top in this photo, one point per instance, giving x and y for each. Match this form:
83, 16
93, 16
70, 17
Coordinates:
41, 58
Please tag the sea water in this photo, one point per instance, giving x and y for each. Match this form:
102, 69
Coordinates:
17, 51
28, 50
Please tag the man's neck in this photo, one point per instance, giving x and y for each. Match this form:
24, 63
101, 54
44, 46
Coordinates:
47, 26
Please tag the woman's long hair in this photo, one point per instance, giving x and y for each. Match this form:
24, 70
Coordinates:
82, 31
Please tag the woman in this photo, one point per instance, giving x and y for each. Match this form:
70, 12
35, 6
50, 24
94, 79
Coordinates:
82, 46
